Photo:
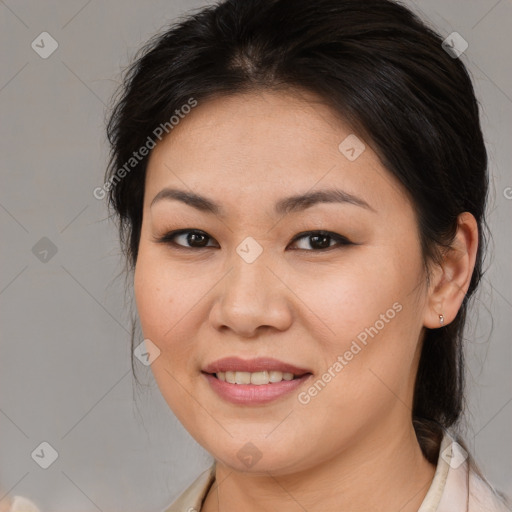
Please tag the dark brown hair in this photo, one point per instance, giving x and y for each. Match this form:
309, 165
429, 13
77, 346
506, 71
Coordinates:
383, 71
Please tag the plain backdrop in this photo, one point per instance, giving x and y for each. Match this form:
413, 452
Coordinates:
65, 376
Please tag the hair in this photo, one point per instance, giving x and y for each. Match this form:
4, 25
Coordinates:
384, 72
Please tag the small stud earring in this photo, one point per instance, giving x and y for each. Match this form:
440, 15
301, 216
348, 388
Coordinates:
441, 319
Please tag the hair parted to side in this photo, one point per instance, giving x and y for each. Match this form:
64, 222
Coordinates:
385, 73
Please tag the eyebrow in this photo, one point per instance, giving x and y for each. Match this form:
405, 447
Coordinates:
286, 205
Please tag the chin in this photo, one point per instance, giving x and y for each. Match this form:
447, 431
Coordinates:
260, 458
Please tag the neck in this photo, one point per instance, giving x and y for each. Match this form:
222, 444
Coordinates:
386, 471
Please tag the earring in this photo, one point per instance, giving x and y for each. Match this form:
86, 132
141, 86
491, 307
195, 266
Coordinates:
441, 319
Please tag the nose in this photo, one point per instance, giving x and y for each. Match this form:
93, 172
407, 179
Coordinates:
251, 297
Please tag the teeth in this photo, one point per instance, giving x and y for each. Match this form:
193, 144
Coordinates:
275, 376
257, 378
242, 377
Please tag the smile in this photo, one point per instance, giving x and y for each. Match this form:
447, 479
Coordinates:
254, 381
256, 378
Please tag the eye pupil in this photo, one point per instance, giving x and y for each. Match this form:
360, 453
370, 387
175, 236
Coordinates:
324, 241
193, 236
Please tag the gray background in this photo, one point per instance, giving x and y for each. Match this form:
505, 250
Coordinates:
65, 373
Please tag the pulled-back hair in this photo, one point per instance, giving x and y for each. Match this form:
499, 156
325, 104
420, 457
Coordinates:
384, 72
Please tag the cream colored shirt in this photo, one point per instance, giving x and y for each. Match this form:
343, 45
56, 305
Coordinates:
454, 488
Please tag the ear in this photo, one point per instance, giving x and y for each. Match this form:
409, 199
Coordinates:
451, 279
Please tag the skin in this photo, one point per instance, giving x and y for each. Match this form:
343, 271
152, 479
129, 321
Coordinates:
353, 446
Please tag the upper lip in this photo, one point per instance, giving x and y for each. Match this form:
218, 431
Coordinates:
260, 364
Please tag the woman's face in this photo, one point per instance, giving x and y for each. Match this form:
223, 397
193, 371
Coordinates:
257, 280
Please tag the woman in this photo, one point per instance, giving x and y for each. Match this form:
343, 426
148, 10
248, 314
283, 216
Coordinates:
301, 188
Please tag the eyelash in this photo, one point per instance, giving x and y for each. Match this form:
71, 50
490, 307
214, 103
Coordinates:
168, 239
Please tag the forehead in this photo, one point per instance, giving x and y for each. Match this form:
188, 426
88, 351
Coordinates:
265, 144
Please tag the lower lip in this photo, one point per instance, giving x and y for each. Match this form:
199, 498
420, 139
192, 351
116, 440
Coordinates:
249, 394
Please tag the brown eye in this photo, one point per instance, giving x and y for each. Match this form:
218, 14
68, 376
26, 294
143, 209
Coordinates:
316, 241
321, 240
189, 238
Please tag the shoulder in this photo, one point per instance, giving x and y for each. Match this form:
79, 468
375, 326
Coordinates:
21, 504
190, 499
459, 485
193, 496
465, 482
483, 497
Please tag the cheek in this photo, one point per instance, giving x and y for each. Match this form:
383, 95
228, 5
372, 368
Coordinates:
351, 296
158, 306
149, 298
167, 304
155, 296
372, 311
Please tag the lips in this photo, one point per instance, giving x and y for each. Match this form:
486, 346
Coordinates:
254, 382
261, 364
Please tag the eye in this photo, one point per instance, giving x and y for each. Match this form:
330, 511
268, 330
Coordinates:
321, 240
197, 239
194, 237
